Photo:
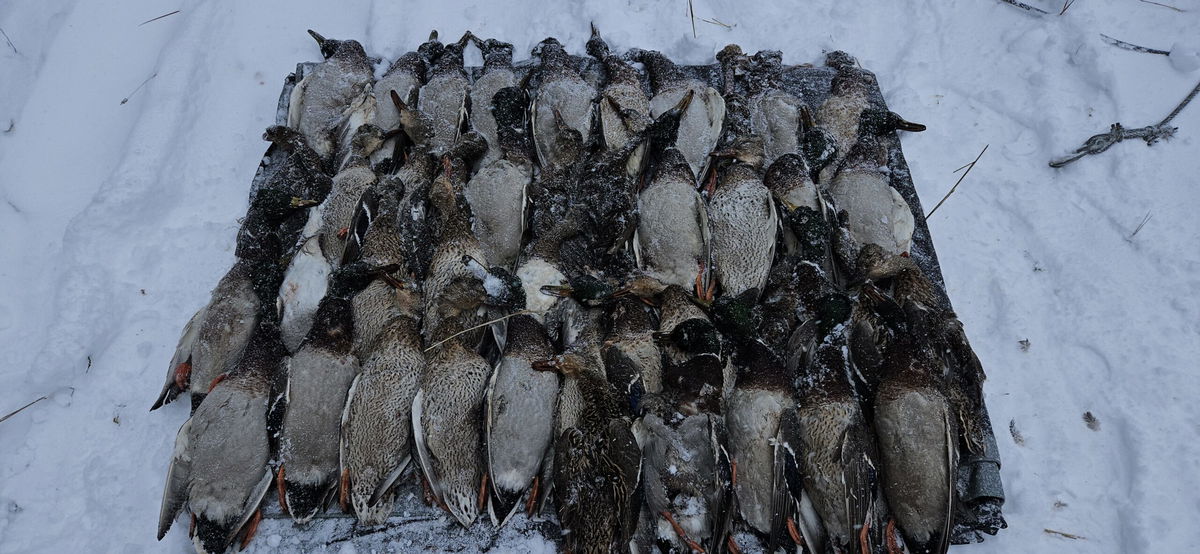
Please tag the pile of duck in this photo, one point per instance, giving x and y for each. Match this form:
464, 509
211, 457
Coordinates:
665, 307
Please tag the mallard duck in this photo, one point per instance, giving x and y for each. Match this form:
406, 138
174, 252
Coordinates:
497, 74
672, 232
700, 126
324, 100
302, 174
560, 97
376, 424
876, 213
519, 432
404, 77
497, 191
324, 240
443, 98
632, 359
742, 219
214, 338
597, 463
774, 113
624, 109
693, 363
849, 103
219, 469
319, 375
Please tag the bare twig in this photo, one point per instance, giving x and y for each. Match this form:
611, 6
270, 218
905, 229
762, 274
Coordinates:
18, 410
1066, 6
9, 41
1165, 6
480, 326
139, 87
1138, 229
1025, 6
968, 168
1065, 535
692, 15
158, 18
1117, 133
1132, 47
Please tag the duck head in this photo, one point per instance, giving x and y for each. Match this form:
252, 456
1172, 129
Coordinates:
551, 52
817, 143
569, 140
496, 53
503, 289
333, 325
339, 49
746, 149
567, 364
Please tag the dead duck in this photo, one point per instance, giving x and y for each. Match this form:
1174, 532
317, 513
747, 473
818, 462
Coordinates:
497, 74
443, 98
876, 213
700, 126
848, 104
916, 430
806, 214
559, 95
498, 190
597, 463
376, 439
742, 219
774, 114
220, 468
324, 239
213, 340
324, 100
632, 359
624, 110
693, 350
404, 77
672, 233
319, 375
518, 431
763, 391
837, 456
302, 174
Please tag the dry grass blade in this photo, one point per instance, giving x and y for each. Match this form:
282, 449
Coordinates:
18, 410
968, 167
1138, 229
692, 15
1025, 6
1132, 47
9, 41
1066, 535
1066, 5
480, 326
715, 21
158, 18
139, 87
1164, 5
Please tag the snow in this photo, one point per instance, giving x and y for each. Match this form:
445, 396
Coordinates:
118, 219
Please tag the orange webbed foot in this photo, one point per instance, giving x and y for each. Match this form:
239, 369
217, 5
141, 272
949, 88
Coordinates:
682, 534
531, 503
863, 541
281, 488
250, 529
343, 233
344, 492
183, 374
794, 532
483, 491
732, 545
893, 546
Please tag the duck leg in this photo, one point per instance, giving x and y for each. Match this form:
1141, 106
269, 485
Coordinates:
183, 373
483, 491
531, 503
892, 546
281, 487
732, 545
192, 527
344, 491
863, 542
682, 534
794, 532
250, 529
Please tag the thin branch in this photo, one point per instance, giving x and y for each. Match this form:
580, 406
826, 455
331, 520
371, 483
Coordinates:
715, 21
1137, 230
9, 41
1025, 7
1067, 535
1132, 47
969, 167
1066, 6
692, 15
158, 18
18, 410
139, 87
1165, 6
480, 326
1117, 133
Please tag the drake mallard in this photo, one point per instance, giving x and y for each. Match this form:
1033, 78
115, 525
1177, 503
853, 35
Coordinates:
672, 233
561, 97
742, 219
443, 97
497, 74
700, 125
624, 108
404, 77
497, 191
324, 100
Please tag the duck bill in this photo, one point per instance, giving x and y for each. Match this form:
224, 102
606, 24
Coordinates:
685, 101
317, 37
298, 202
467, 36
545, 365
905, 125
560, 291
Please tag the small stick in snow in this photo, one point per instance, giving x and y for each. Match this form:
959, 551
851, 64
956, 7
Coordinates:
9, 41
1066, 6
1066, 535
158, 18
480, 326
1026, 7
692, 15
968, 168
1132, 47
1139, 227
139, 87
715, 21
1117, 133
18, 410
1164, 5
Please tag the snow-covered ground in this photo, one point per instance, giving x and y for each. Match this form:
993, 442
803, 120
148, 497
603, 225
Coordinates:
116, 219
